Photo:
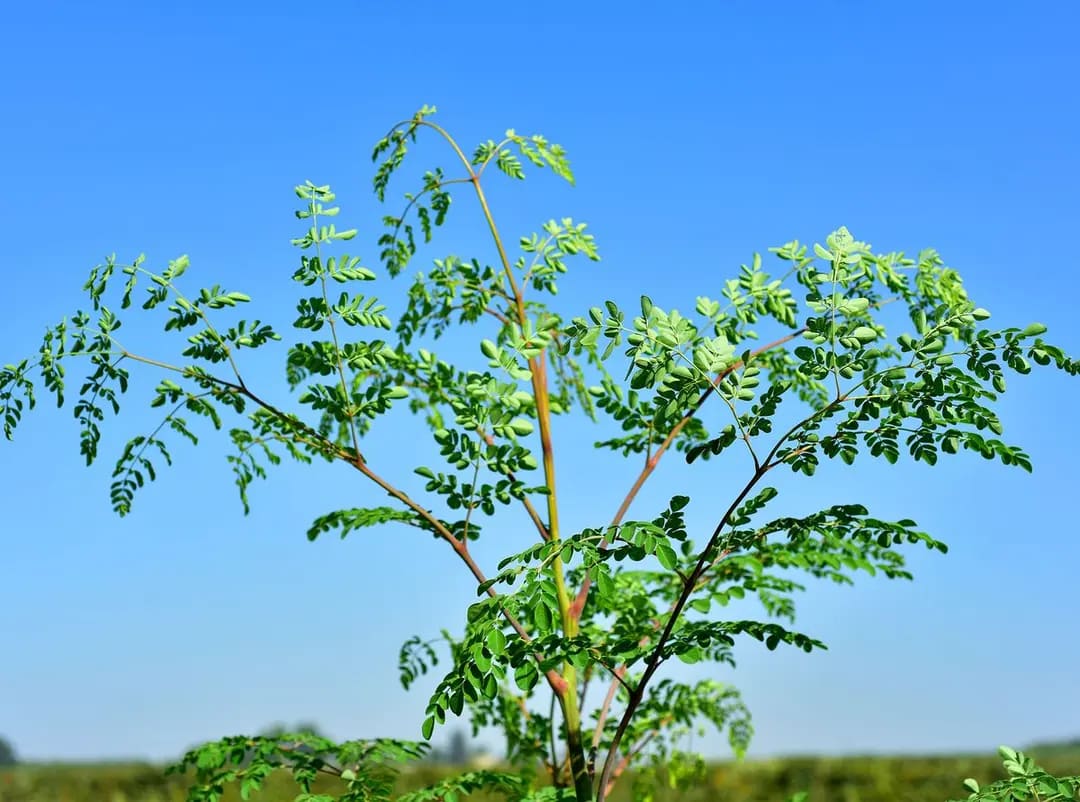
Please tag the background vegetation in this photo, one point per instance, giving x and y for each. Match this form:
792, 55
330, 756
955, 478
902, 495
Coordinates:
828, 779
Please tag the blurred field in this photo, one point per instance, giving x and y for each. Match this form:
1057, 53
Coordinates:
846, 779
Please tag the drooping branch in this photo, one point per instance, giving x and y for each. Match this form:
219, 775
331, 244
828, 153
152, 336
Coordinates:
306, 434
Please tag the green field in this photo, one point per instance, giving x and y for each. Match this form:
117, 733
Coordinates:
837, 779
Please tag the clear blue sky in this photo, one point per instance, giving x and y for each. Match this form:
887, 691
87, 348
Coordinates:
700, 133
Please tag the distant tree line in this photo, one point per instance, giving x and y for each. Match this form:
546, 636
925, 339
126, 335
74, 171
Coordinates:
7, 753
1064, 745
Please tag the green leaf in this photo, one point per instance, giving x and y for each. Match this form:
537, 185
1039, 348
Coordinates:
496, 642
864, 334
521, 426
526, 676
542, 618
667, 556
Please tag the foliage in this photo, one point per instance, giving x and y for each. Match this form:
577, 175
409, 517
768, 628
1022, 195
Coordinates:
614, 603
367, 769
857, 779
1026, 781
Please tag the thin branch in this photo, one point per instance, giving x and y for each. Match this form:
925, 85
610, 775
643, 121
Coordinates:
483, 165
529, 508
618, 674
555, 767
703, 564
470, 506
557, 683
202, 313
340, 363
538, 375
416, 199
654, 460
536, 259
606, 706
742, 432
150, 438
453, 144
497, 315
655, 658
326, 768
163, 365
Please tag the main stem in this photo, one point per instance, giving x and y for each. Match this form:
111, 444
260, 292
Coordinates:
568, 699
568, 693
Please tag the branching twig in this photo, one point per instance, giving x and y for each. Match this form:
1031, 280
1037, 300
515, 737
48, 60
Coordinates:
654, 460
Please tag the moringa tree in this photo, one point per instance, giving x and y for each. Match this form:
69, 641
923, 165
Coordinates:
566, 646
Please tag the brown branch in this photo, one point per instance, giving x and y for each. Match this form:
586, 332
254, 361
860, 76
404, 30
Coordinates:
586, 675
461, 548
555, 680
487, 311
689, 587
654, 460
620, 672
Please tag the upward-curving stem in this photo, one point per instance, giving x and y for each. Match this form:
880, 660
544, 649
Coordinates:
567, 691
568, 698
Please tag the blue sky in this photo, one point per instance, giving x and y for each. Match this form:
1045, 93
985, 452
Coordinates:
698, 137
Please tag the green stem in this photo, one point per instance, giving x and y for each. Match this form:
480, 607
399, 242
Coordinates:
345, 399
583, 787
205, 318
568, 698
567, 690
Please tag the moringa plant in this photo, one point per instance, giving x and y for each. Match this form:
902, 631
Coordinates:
1024, 781
565, 648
